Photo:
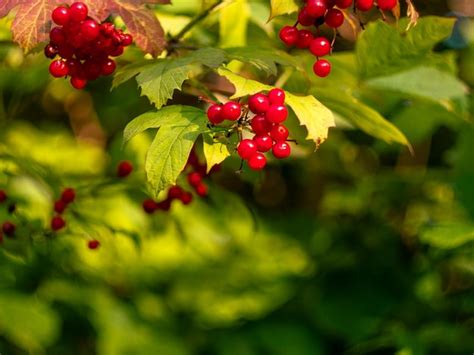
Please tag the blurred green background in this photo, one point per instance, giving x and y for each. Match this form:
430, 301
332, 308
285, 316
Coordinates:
359, 248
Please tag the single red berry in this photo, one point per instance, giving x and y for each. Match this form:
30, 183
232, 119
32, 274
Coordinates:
304, 18
246, 148
9, 228
107, 28
264, 143
78, 83
202, 190
322, 68
58, 68
259, 103
50, 51
149, 206
66, 51
186, 198
364, 5
108, 67
124, 169
175, 192
214, 114
231, 111
92, 69
289, 35
93, 244
343, 4
164, 205
279, 133
116, 51
59, 206
60, 15
334, 18
281, 150
194, 178
90, 29
57, 36
127, 40
260, 125
304, 39
386, 5
320, 46
276, 96
316, 8
3, 196
257, 161
57, 223
277, 113
68, 195
78, 12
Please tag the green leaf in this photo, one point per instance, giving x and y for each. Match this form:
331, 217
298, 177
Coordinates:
233, 23
449, 235
282, 7
310, 112
127, 72
169, 151
215, 152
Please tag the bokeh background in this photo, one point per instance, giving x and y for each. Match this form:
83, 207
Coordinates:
359, 248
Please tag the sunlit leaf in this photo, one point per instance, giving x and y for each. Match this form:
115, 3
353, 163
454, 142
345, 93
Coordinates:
215, 151
283, 7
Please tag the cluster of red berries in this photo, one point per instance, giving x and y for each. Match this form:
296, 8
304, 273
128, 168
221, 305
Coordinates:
67, 197
317, 13
270, 134
84, 45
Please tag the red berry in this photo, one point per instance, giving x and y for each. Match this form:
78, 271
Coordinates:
58, 68
68, 195
246, 148
214, 114
279, 133
78, 83
90, 29
78, 12
231, 111
264, 143
194, 179
59, 206
8, 228
3, 196
116, 51
276, 96
202, 190
316, 8
343, 4
57, 223
164, 205
66, 51
92, 69
334, 18
186, 198
107, 28
289, 35
259, 103
149, 206
50, 51
93, 244
257, 161
57, 36
127, 40
277, 113
364, 5
304, 39
304, 18
74, 67
124, 169
320, 46
260, 125
281, 150
108, 67
386, 5
175, 192
60, 15
322, 68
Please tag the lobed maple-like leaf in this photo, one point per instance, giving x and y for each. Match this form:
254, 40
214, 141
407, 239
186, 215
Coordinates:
32, 22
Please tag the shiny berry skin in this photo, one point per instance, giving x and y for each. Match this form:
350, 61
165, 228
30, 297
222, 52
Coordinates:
50, 51
78, 83
289, 35
264, 143
214, 114
304, 39
246, 148
68, 195
93, 244
257, 161
186, 198
202, 190
316, 8
320, 46
57, 36
281, 150
276, 96
127, 40
334, 18
78, 12
276, 113
322, 68
107, 28
364, 5
231, 111
279, 133
124, 169
260, 125
304, 18
8, 228
60, 15
108, 67
175, 192
259, 103
57, 223
90, 29
59, 206
386, 5
3, 196
58, 68
149, 206
194, 178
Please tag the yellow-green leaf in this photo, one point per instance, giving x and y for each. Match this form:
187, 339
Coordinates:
215, 152
283, 7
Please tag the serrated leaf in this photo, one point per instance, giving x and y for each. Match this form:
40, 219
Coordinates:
169, 151
283, 7
310, 112
215, 152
